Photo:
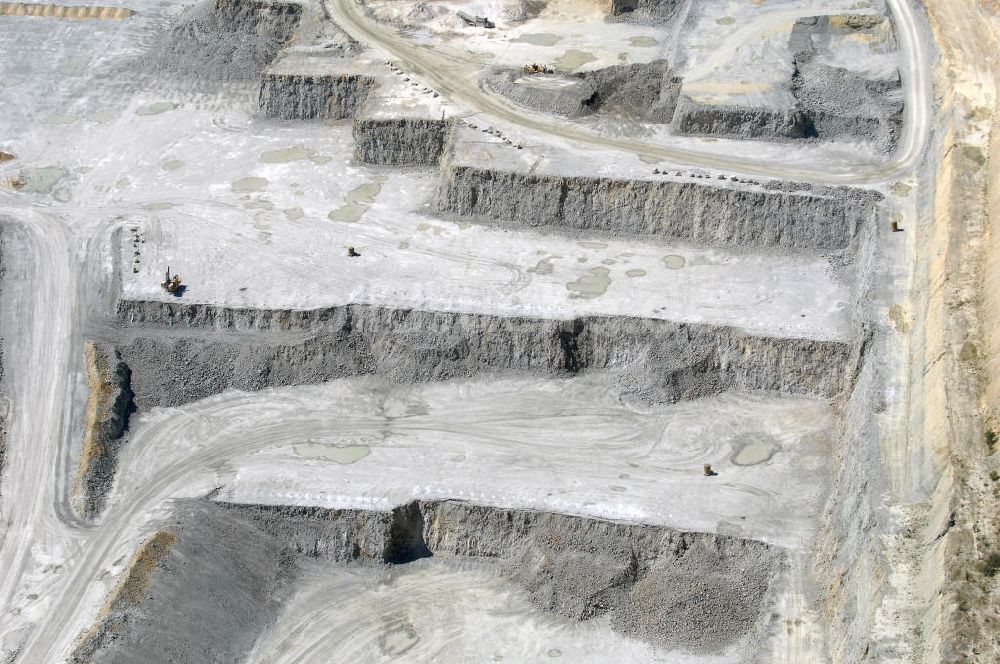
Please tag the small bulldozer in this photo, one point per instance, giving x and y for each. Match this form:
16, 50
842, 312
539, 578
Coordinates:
172, 284
535, 68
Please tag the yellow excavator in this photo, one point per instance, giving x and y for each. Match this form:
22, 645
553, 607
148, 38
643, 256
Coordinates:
172, 284
535, 68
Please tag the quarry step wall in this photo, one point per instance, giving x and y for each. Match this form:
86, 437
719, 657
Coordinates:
210, 580
654, 360
822, 220
312, 97
400, 141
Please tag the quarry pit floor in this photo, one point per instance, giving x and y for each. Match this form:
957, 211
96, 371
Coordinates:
258, 214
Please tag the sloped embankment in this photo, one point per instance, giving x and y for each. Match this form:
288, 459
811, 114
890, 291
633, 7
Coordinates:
225, 40
180, 353
108, 406
640, 577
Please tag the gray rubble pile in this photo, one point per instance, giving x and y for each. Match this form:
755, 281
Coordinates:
830, 101
556, 94
207, 584
647, 91
225, 40
693, 117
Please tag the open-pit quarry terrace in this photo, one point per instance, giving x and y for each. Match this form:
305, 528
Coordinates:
624, 330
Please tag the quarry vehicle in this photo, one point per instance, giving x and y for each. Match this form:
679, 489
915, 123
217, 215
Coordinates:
535, 68
476, 21
171, 284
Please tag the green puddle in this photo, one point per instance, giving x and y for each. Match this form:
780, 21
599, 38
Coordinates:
41, 180
346, 454
757, 450
538, 39
359, 200
594, 283
250, 184
644, 42
573, 58
674, 262
156, 108
286, 155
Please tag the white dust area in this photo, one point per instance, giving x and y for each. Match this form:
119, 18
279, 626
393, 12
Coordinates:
275, 245
563, 445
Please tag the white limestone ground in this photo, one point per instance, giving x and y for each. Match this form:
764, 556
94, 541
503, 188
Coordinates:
568, 446
293, 254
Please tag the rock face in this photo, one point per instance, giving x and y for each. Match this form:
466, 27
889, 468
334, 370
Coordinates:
651, 12
647, 91
307, 97
822, 219
655, 583
519, 11
830, 101
400, 141
208, 582
693, 117
840, 102
108, 407
653, 360
228, 40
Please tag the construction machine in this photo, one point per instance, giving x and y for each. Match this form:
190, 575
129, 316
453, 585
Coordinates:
535, 68
171, 284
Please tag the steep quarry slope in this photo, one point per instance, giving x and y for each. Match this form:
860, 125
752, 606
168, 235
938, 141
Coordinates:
227, 40
658, 360
290, 96
199, 589
249, 557
949, 548
400, 141
818, 219
844, 84
108, 407
838, 102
